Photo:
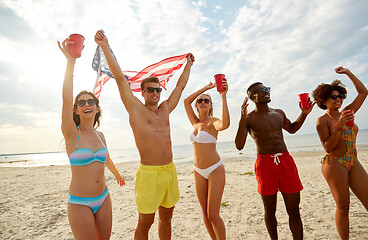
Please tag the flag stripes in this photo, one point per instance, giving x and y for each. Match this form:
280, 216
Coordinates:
163, 70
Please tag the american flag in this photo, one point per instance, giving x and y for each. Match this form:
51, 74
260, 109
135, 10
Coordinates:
163, 70
99, 64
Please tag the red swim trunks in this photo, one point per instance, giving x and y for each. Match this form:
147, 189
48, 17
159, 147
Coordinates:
277, 171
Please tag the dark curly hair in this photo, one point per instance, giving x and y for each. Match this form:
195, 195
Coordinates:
76, 117
324, 91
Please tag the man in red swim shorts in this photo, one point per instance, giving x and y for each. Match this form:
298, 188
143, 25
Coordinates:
275, 169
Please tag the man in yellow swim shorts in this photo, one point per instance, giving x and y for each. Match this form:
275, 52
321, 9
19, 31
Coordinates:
156, 184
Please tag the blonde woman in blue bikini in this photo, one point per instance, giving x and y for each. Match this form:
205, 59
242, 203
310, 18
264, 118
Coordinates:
209, 171
341, 167
89, 202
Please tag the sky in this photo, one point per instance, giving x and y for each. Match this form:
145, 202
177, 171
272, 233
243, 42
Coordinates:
291, 46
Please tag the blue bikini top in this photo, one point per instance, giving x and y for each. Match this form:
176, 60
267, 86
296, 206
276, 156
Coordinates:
84, 156
202, 137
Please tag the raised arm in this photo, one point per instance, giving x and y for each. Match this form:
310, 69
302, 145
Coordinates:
359, 86
242, 133
67, 124
224, 122
126, 93
188, 102
295, 126
174, 97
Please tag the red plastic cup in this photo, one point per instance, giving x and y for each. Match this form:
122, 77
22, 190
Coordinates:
218, 80
304, 100
77, 46
351, 122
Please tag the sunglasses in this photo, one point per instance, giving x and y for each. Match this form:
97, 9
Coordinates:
264, 89
151, 89
82, 102
334, 97
200, 100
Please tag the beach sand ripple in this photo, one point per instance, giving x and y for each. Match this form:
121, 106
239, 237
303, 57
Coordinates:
33, 203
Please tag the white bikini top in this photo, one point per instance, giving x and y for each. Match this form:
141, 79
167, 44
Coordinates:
202, 137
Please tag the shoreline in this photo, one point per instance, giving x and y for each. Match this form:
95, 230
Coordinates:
33, 203
31, 163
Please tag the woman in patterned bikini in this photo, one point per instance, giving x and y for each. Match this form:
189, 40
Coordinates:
209, 171
89, 202
340, 165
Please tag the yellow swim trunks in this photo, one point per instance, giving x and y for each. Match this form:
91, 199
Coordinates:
156, 186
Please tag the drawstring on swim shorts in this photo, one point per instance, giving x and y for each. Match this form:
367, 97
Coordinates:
276, 159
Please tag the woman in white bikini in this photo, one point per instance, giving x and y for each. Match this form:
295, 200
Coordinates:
209, 174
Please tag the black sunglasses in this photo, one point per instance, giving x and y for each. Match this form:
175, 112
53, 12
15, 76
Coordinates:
264, 89
151, 89
200, 100
334, 97
82, 102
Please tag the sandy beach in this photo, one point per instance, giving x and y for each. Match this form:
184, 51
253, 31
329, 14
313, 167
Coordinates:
33, 203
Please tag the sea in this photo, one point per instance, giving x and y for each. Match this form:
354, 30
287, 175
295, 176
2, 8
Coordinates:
181, 153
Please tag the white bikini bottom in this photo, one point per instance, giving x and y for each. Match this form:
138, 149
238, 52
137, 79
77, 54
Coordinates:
206, 172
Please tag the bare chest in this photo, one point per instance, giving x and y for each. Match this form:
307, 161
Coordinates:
151, 123
266, 123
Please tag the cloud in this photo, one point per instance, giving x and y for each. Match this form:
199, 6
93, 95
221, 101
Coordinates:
291, 46
288, 42
217, 8
13, 27
200, 3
